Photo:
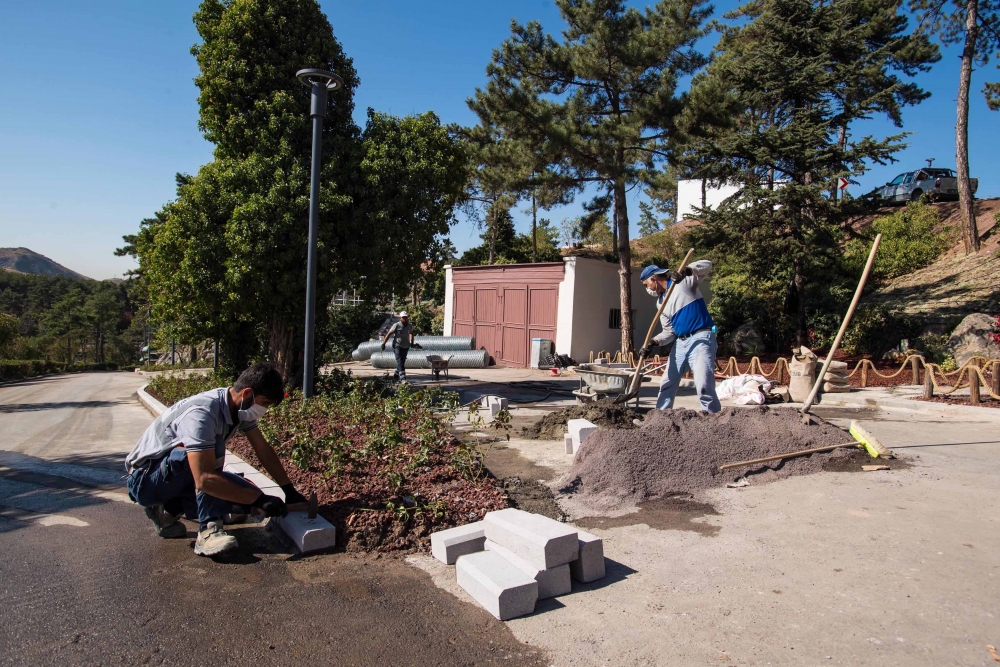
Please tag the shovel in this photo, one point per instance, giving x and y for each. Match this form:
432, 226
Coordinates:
636, 383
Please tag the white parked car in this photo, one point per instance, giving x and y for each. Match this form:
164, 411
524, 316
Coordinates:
939, 184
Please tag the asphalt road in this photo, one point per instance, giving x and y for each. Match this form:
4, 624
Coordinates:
84, 580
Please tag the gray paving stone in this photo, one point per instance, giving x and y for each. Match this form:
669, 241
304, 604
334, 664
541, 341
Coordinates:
448, 545
590, 565
498, 585
543, 542
551, 582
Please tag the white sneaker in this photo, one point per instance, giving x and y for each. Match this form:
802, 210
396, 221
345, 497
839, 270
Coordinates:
214, 541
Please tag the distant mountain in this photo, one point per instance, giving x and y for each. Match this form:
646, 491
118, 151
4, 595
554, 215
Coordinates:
23, 260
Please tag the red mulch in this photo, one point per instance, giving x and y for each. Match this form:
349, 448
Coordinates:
984, 402
355, 500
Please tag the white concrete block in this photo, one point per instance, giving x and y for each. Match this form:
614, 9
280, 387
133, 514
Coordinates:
498, 585
448, 545
551, 583
237, 467
590, 565
543, 542
568, 441
580, 430
494, 404
308, 534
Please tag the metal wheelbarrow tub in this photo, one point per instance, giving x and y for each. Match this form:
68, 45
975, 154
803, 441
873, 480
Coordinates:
439, 362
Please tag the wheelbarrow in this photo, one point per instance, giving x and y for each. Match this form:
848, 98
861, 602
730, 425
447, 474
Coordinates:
438, 364
598, 381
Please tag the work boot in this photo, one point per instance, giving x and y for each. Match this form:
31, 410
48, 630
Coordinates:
166, 525
214, 541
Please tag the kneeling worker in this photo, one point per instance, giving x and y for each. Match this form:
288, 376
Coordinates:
687, 323
176, 467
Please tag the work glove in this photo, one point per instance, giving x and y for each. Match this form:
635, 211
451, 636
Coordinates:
383, 347
677, 276
292, 496
417, 346
646, 351
271, 505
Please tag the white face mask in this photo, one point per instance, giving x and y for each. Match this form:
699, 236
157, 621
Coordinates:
253, 413
652, 292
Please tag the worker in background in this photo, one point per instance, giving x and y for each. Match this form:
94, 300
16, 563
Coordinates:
687, 324
176, 467
402, 337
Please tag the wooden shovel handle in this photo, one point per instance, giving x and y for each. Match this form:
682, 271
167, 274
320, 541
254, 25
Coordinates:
790, 455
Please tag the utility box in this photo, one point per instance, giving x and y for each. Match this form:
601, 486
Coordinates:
541, 349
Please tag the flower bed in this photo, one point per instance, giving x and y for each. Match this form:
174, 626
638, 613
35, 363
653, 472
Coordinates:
385, 466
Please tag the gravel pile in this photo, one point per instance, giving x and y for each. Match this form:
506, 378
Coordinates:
680, 451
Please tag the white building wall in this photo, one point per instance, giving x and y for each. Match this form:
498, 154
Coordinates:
689, 196
449, 300
564, 316
595, 293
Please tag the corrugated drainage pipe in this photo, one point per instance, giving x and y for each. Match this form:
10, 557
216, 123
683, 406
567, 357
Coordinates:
418, 359
365, 350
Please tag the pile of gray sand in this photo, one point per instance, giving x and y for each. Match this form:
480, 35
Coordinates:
601, 413
680, 451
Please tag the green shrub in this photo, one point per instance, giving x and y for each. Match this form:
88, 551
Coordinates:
875, 330
912, 238
346, 328
17, 369
172, 387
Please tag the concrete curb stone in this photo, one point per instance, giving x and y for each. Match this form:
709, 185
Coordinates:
447, 545
499, 586
542, 542
551, 583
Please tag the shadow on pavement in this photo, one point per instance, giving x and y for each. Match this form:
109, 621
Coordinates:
37, 407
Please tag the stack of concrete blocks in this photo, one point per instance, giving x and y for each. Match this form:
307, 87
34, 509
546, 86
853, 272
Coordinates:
494, 404
308, 534
579, 430
511, 559
836, 379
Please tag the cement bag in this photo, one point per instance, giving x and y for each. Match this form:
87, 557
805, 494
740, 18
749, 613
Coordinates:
803, 372
830, 388
836, 378
744, 389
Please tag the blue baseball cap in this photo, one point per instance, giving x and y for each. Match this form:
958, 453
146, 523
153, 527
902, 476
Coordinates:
650, 271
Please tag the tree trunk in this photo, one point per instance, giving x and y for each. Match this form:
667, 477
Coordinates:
281, 350
493, 232
614, 232
801, 336
624, 268
970, 233
841, 143
534, 228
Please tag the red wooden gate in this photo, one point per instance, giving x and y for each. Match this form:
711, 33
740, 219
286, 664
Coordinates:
505, 306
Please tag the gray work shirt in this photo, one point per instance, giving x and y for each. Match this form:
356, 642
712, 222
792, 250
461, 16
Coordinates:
198, 422
401, 334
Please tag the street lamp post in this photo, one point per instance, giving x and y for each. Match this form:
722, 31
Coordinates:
319, 82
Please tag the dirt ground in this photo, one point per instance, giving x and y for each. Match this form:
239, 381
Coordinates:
832, 568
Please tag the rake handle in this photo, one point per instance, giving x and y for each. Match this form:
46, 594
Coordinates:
791, 455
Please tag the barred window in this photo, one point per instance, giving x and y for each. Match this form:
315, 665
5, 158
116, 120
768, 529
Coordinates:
615, 318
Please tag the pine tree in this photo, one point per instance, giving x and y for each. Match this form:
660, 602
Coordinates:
780, 87
976, 25
598, 106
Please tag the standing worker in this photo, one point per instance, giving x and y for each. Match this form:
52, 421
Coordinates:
402, 338
687, 324
176, 470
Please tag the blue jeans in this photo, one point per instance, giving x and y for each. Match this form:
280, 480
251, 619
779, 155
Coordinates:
169, 482
401, 353
696, 354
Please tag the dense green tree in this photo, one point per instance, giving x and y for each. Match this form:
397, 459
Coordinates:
226, 260
976, 25
777, 89
597, 106
648, 222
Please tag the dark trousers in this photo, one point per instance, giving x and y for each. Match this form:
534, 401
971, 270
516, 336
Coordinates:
401, 353
169, 482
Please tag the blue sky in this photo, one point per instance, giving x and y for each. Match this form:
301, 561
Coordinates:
98, 109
